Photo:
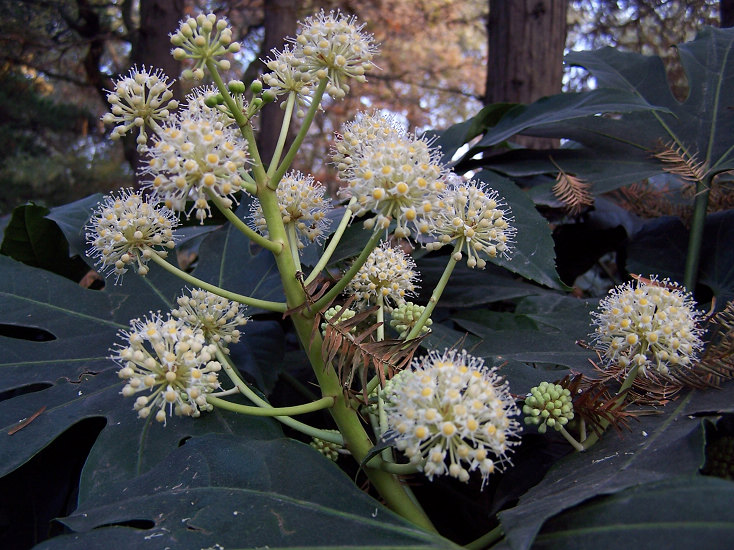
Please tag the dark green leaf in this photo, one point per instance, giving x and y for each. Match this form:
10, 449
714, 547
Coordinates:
71, 219
533, 256
219, 490
615, 463
36, 241
227, 259
676, 514
564, 107
71, 378
660, 248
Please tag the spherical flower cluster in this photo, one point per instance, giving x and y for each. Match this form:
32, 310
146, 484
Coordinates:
126, 230
140, 99
473, 216
332, 45
649, 324
170, 363
195, 154
388, 275
286, 77
302, 205
405, 316
397, 177
548, 405
358, 133
217, 317
451, 415
202, 39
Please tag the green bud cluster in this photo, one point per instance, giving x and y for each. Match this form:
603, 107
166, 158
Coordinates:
405, 316
548, 405
327, 448
334, 311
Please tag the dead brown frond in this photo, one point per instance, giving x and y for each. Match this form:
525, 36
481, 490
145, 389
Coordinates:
682, 163
572, 191
648, 201
717, 363
349, 344
593, 403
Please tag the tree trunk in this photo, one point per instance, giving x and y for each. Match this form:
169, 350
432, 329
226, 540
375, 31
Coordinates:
526, 41
151, 47
280, 21
726, 13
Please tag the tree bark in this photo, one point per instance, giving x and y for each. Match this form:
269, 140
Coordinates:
150, 46
526, 42
280, 21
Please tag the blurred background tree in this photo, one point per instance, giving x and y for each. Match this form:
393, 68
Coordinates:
57, 58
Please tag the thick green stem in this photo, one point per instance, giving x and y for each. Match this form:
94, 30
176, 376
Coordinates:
347, 420
333, 243
279, 307
342, 283
380, 317
293, 244
283, 134
436, 295
245, 390
240, 119
486, 540
254, 236
695, 237
398, 469
319, 404
276, 176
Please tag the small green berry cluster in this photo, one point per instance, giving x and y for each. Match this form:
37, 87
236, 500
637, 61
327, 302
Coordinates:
405, 316
548, 405
327, 448
335, 311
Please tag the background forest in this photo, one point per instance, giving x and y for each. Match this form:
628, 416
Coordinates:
441, 61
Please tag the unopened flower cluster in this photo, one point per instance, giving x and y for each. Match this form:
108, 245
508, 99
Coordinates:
302, 205
451, 415
652, 325
170, 364
388, 276
405, 316
548, 405
126, 230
